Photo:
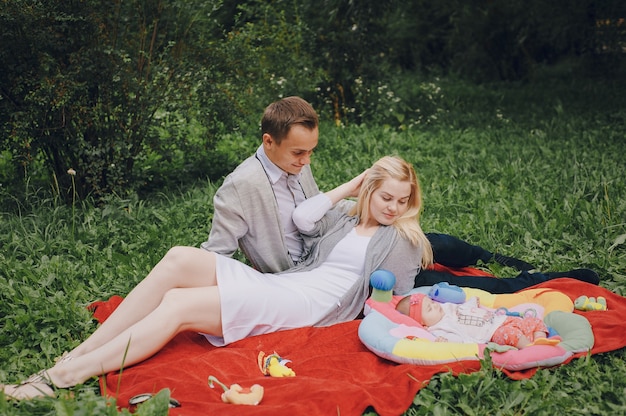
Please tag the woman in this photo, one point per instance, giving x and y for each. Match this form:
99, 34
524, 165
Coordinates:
194, 290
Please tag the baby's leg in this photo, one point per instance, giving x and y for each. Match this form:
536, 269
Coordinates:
509, 333
523, 341
534, 328
539, 332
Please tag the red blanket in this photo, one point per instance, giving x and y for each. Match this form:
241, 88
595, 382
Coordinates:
335, 373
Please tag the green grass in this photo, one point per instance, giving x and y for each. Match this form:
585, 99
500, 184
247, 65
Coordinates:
534, 171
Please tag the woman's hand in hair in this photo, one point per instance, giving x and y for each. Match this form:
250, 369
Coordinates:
348, 189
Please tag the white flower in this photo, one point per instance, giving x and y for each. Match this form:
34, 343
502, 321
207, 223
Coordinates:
71, 172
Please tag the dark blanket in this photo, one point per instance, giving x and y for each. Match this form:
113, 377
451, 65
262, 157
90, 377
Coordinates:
335, 373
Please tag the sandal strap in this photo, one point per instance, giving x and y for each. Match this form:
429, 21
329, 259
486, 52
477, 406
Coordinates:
63, 358
39, 377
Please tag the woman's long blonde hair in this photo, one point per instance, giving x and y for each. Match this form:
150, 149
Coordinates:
408, 224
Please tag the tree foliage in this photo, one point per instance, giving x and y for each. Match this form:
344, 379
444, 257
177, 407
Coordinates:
490, 40
86, 82
127, 92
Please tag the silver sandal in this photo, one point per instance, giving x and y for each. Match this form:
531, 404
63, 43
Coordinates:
38, 378
63, 358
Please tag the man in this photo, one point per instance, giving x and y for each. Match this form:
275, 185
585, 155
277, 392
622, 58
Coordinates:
253, 208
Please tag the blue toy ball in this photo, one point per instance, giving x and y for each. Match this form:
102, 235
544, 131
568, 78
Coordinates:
382, 279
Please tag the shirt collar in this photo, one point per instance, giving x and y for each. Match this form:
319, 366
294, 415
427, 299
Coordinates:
274, 173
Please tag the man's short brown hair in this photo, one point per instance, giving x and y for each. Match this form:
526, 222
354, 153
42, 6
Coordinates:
281, 115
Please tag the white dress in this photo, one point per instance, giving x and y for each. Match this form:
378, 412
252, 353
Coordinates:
255, 303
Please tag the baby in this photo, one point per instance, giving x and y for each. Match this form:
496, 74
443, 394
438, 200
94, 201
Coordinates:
469, 323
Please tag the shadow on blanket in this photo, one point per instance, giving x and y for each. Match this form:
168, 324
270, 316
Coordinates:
335, 373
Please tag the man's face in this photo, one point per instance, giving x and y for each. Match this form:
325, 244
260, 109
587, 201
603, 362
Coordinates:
295, 151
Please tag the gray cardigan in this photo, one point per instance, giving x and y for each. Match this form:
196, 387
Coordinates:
386, 250
246, 216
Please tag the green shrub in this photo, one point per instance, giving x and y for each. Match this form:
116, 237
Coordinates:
84, 83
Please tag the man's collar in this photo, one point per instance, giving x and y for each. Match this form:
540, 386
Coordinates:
274, 173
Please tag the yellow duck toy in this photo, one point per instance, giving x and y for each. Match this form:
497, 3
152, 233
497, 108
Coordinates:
273, 365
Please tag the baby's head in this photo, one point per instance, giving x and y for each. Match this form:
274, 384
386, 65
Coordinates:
421, 308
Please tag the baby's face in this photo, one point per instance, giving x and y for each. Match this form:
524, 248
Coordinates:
432, 312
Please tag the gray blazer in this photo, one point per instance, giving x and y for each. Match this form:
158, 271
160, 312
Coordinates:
246, 216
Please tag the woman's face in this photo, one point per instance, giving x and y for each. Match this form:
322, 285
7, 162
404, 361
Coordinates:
389, 201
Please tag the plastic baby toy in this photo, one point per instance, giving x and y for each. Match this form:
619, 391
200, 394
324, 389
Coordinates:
530, 312
584, 303
446, 293
236, 394
273, 365
382, 282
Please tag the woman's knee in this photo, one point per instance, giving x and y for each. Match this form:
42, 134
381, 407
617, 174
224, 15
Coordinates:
187, 267
178, 259
175, 306
178, 254
192, 308
173, 299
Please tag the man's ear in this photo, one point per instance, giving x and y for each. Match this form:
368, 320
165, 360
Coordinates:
268, 140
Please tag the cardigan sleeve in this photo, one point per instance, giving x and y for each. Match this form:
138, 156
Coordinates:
311, 211
404, 261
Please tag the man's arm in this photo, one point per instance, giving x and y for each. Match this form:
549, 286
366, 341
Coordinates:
228, 224
246, 217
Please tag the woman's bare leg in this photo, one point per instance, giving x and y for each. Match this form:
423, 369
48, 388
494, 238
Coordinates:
181, 267
196, 309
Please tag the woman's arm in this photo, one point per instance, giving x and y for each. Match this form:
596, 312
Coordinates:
346, 190
310, 212
313, 209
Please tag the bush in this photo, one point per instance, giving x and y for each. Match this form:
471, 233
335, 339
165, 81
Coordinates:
135, 95
85, 81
